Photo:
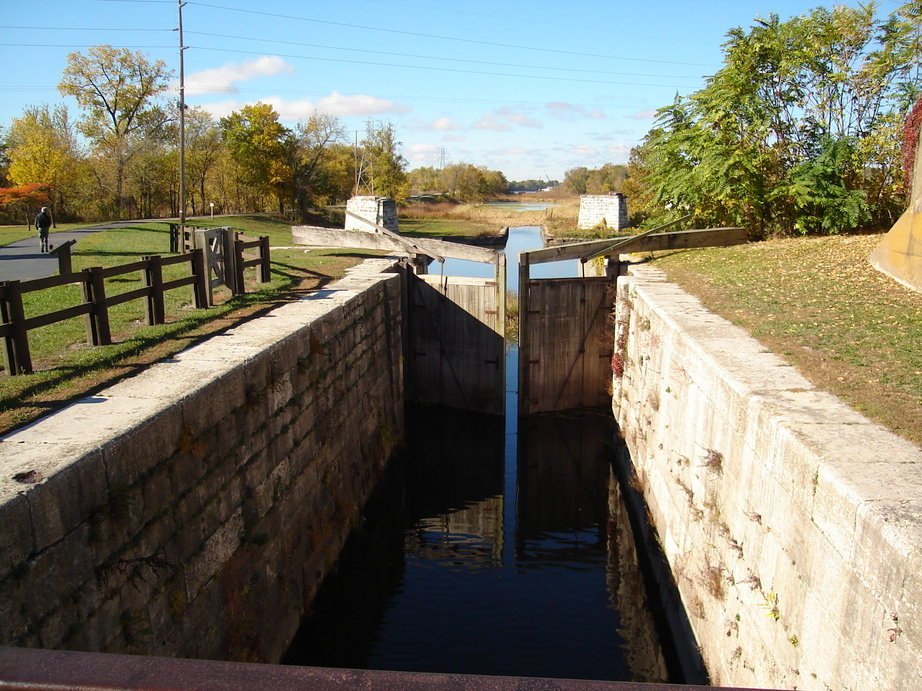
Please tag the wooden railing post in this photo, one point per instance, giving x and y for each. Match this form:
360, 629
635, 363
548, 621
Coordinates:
16, 355
200, 272
174, 237
239, 287
97, 321
265, 268
154, 312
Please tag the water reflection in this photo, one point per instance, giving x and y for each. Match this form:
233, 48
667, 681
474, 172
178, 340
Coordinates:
521, 239
456, 570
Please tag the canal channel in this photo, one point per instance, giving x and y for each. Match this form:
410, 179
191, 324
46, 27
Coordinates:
494, 545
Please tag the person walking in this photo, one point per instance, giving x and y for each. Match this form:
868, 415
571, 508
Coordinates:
43, 222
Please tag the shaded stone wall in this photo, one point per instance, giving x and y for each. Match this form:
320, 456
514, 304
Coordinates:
193, 510
596, 208
792, 524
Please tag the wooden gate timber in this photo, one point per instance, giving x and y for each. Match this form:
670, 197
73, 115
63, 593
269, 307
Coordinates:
566, 324
456, 345
455, 326
565, 343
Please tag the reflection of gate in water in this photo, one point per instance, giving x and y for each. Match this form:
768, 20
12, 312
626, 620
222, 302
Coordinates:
456, 346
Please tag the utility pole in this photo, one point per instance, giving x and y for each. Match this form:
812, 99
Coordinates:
182, 124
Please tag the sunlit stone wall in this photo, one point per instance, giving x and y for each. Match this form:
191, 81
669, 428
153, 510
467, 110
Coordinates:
793, 525
193, 510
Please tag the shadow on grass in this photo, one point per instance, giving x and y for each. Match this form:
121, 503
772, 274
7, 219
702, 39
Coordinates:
149, 346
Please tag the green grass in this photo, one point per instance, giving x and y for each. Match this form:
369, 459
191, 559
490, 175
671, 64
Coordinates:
10, 234
66, 366
818, 302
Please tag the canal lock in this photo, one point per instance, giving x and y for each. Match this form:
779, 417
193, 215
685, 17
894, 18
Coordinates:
500, 543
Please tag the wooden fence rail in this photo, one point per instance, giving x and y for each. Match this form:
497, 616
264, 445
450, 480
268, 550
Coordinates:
95, 306
261, 261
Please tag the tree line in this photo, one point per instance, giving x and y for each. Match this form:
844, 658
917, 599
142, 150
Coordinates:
120, 157
800, 131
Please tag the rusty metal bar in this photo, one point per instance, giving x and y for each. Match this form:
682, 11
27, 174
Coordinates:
28, 668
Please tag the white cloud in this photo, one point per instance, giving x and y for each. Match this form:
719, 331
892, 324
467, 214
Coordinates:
583, 150
498, 119
335, 104
422, 153
619, 152
358, 104
454, 138
444, 124
223, 80
567, 111
489, 122
517, 118
644, 115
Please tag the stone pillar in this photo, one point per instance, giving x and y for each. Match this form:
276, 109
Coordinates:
373, 211
596, 208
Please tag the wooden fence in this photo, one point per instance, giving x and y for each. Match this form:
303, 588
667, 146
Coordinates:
95, 303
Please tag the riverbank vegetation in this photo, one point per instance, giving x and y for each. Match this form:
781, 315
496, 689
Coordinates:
799, 132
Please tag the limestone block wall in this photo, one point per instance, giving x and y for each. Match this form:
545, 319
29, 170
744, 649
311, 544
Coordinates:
792, 524
610, 208
194, 509
376, 210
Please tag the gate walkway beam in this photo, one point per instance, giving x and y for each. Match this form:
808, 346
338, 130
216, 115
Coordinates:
683, 239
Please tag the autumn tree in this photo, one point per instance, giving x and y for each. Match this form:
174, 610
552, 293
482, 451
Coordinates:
117, 89
261, 147
203, 149
386, 167
23, 202
314, 143
44, 149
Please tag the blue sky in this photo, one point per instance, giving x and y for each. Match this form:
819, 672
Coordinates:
529, 88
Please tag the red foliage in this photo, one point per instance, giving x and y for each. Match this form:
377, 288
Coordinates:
25, 196
910, 140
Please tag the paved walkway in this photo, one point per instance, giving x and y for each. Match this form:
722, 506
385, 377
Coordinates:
23, 259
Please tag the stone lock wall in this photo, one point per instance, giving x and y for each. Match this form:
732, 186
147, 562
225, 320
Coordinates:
194, 509
792, 524
376, 210
596, 208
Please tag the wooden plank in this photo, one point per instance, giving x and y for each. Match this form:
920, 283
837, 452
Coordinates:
357, 239
51, 281
58, 316
683, 239
568, 336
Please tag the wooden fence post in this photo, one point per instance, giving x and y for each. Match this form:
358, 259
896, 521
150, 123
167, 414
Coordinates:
201, 272
265, 268
239, 287
16, 355
174, 237
97, 321
154, 312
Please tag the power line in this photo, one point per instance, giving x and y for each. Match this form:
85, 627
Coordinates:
436, 69
436, 57
445, 38
80, 28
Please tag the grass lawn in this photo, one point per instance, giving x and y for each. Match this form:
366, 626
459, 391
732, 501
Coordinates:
66, 367
818, 302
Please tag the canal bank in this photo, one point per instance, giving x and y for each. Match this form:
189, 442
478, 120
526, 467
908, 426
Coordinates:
792, 525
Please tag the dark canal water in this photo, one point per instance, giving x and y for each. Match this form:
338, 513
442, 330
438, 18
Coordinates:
492, 546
